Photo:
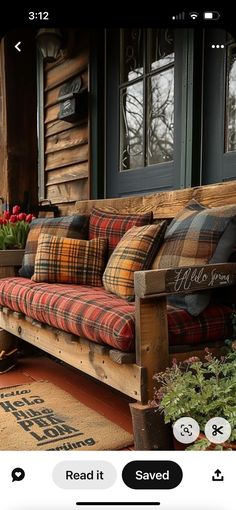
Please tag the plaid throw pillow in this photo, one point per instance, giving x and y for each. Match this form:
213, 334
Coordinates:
113, 225
198, 236
64, 260
134, 252
75, 227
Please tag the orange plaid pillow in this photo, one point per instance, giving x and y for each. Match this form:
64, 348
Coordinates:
134, 252
66, 260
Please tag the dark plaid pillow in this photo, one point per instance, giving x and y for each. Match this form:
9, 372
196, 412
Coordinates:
113, 225
75, 227
198, 236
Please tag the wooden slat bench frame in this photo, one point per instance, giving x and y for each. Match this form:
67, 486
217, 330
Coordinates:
133, 375
93, 359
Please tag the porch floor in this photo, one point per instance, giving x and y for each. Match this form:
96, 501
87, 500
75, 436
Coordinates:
96, 395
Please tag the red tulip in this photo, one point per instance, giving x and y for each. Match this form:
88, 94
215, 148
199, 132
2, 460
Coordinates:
29, 218
21, 216
7, 215
13, 218
15, 209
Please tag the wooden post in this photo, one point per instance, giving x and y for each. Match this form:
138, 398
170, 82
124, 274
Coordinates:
152, 353
20, 165
150, 432
152, 346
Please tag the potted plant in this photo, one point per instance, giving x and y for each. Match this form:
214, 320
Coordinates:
201, 390
14, 228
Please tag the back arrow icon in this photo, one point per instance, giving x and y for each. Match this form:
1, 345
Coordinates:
17, 46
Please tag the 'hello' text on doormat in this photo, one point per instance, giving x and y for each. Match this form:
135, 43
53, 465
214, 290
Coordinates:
41, 416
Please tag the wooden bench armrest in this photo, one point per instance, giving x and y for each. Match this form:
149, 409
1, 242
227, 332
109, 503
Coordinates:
179, 280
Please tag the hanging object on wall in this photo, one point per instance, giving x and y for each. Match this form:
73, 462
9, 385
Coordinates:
73, 100
49, 42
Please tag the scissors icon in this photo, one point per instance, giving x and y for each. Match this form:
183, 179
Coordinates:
217, 430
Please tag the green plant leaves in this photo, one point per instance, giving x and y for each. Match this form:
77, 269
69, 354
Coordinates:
201, 390
13, 235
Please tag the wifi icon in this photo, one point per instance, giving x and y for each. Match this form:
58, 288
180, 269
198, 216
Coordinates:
194, 15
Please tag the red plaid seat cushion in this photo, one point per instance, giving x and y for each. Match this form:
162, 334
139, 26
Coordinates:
90, 312
95, 314
212, 325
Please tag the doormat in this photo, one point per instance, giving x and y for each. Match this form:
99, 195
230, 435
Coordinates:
41, 416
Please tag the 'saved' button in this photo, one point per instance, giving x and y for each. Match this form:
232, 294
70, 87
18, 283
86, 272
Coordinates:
152, 474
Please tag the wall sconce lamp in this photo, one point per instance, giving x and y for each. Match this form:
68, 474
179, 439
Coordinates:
49, 42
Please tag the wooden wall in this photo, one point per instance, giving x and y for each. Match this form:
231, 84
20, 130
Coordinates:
3, 159
18, 120
66, 144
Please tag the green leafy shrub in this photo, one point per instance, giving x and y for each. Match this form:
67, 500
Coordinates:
199, 389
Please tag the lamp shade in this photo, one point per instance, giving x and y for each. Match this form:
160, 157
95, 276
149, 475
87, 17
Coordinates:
49, 43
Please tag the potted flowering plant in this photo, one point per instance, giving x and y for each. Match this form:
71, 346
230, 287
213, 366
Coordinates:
201, 390
14, 228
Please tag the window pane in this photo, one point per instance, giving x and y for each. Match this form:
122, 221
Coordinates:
160, 120
231, 100
161, 48
131, 134
131, 55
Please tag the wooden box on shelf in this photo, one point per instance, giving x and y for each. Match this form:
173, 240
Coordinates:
10, 261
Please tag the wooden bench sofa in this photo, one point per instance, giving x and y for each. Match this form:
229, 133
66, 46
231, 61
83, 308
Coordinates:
132, 373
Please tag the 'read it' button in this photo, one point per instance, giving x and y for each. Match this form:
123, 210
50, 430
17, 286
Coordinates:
152, 474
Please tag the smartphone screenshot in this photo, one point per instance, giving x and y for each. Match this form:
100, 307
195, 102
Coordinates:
118, 260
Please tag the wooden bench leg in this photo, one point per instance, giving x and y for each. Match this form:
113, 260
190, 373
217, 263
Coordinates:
152, 353
150, 431
7, 341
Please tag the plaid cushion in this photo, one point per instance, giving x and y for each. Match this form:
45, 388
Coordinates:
90, 312
93, 313
113, 225
65, 260
198, 236
212, 325
75, 227
134, 252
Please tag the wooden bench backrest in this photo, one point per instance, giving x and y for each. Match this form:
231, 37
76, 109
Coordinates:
165, 204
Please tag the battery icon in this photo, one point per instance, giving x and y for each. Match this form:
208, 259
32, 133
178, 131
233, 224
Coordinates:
211, 15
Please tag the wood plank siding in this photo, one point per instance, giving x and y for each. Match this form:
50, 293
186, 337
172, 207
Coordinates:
3, 158
18, 120
66, 144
